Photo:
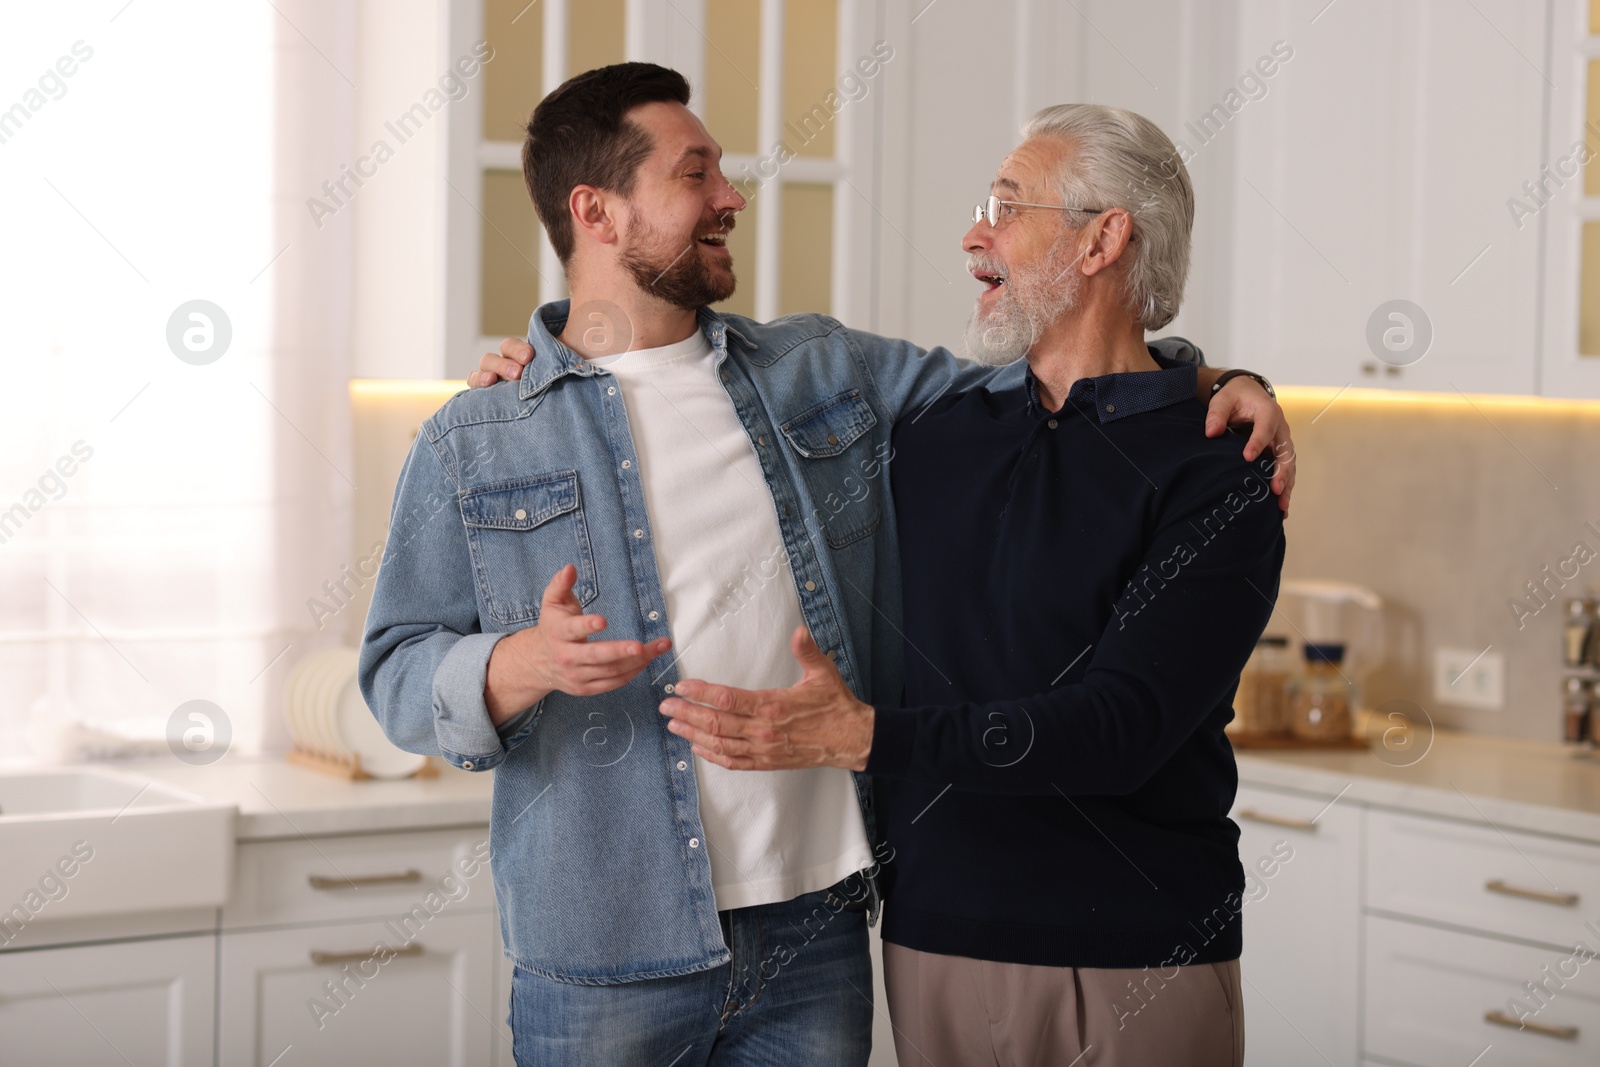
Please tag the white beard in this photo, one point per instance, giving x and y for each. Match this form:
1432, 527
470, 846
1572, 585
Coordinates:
1033, 300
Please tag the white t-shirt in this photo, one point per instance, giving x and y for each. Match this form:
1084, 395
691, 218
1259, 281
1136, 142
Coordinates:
731, 605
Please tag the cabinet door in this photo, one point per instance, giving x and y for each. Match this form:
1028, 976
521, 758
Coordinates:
1442, 998
129, 1002
1377, 168
1301, 923
327, 993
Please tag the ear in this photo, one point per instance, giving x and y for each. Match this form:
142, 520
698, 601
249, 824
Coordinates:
1112, 233
593, 212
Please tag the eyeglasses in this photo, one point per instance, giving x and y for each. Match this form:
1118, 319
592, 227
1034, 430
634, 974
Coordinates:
990, 209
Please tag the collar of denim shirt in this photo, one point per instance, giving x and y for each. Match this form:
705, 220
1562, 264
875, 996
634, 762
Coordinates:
552, 359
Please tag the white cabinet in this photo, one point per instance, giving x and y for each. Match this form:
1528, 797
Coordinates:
334, 996
1500, 882
1301, 927
1441, 998
1377, 168
379, 948
292, 964
110, 1004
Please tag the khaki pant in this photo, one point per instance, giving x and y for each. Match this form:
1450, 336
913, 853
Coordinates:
950, 1011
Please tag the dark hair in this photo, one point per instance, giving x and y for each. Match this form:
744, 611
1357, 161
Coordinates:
580, 135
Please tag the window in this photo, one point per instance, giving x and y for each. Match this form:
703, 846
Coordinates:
767, 79
167, 489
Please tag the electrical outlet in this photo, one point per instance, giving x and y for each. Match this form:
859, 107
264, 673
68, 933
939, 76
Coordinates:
1470, 679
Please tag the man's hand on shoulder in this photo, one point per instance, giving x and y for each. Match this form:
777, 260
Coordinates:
1243, 400
506, 365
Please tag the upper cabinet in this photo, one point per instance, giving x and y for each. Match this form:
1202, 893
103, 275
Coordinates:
1565, 197
1373, 245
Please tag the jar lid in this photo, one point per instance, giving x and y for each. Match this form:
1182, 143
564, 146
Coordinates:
1330, 652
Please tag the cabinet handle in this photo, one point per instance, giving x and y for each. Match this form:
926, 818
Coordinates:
1278, 820
1564, 900
1561, 1033
319, 881
334, 959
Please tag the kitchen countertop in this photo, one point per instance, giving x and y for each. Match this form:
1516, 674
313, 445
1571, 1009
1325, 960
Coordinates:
278, 799
1511, 784
1522, 785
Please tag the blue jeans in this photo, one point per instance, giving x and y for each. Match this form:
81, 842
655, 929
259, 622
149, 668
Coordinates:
797, 991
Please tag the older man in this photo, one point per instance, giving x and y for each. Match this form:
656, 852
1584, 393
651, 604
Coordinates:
1084, 577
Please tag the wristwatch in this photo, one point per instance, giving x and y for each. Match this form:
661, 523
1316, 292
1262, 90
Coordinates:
1229, 375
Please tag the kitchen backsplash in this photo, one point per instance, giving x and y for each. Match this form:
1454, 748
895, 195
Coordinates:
1454, 510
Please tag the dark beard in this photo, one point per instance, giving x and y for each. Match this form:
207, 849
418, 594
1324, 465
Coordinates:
685, 282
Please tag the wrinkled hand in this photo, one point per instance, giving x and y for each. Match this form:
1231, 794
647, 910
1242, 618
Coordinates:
1243, 400
515, 353
817, 722
556, 655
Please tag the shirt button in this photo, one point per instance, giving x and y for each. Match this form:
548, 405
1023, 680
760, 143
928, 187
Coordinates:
1052, 424
627, 464
1111, 408
638, 533
832, 440
832, 654
724, 375
667, 688
654, 615
682, 766
694, 842
467, 765
811, 587
762, 441
522, 513
611, 390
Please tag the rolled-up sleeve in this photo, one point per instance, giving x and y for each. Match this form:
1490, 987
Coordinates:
424, 657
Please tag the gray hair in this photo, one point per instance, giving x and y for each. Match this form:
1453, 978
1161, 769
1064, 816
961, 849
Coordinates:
1121, 159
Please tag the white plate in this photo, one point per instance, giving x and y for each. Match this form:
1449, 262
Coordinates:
359, 730
324, 691
294, 704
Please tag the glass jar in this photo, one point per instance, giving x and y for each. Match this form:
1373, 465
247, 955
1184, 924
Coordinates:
1261, 706
1319, 698
1577, 642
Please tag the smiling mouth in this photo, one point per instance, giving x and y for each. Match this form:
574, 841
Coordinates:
714, 240
992, 281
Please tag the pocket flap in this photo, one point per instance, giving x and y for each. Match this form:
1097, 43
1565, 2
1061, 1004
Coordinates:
521, 504
830, 427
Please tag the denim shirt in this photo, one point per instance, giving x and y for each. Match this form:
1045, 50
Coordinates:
600, 866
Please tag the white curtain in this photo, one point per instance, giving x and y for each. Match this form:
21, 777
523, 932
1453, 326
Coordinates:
166, 511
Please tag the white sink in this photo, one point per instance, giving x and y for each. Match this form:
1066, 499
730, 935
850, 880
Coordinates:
80, 842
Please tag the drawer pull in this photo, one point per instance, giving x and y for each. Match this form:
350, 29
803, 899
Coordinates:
1561, 1033
1278, 820
334, 959
1565, 900
365, 881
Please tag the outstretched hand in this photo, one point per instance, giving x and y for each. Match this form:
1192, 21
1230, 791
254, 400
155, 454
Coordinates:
817, 722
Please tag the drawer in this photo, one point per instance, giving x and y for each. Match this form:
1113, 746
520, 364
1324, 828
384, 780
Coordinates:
1516, 884
1429, 994
327, 879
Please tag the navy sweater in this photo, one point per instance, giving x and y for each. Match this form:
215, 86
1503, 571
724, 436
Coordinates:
1081, 591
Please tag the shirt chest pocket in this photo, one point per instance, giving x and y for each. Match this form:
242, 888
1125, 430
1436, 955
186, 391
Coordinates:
841, 468
520, 533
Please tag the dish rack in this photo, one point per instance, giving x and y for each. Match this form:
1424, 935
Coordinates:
333, 731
